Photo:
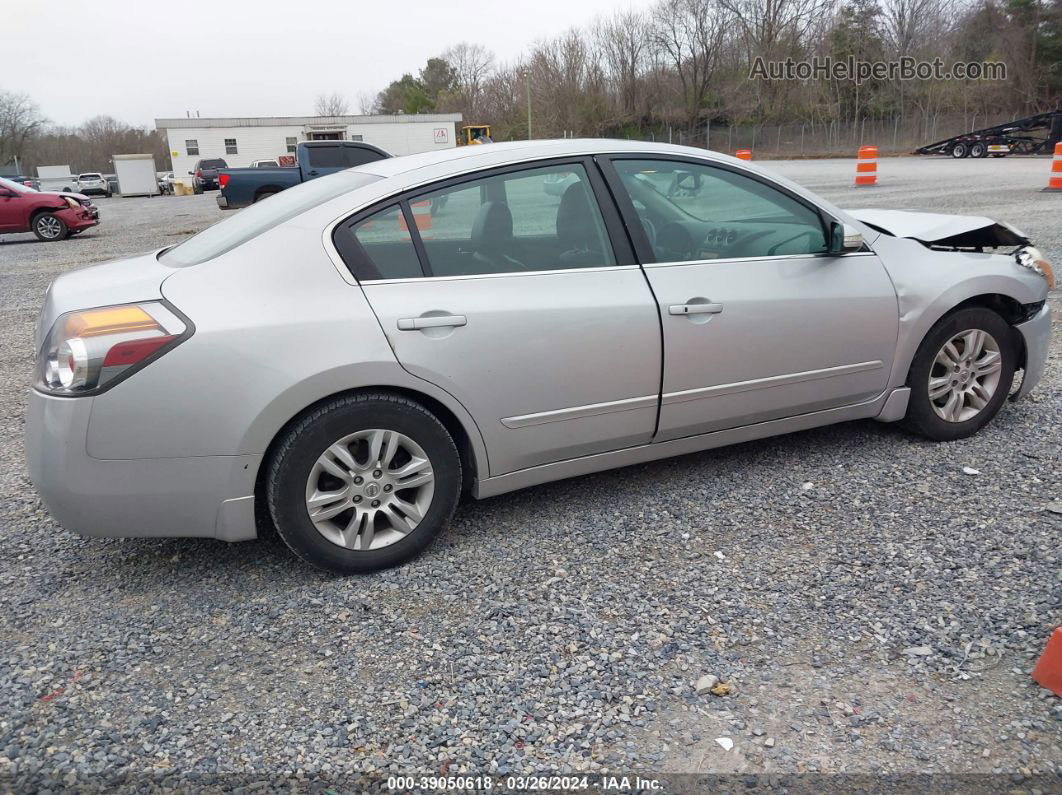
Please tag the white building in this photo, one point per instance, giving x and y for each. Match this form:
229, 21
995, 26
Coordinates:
239, 141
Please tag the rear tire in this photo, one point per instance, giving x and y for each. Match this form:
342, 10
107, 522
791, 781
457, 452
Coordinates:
959, 150
350, 453
978, 150
264, 195
961, 375
50, 227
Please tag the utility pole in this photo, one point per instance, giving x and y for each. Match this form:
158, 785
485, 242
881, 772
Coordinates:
528, 75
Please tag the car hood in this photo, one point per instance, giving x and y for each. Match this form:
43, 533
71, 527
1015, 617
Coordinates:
71, 194
963, 231
123, 281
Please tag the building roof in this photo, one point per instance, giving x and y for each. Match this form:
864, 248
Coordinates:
294, 121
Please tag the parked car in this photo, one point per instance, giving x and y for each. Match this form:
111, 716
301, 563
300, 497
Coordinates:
265, 164
166, 182
347, 364
50, 216
243, 186
25, 181
93, 183
206, 174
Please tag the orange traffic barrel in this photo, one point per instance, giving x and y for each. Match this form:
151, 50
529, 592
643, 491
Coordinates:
867, 166
1054, 182
743, 154
1048, 672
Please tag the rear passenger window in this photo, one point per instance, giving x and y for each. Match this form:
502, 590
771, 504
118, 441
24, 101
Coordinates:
327, 157
380, 247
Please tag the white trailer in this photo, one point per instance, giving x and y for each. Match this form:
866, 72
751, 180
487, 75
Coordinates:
136, 175
57, 178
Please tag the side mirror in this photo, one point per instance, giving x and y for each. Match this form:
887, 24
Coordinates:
687, 180
189, 173
844, 238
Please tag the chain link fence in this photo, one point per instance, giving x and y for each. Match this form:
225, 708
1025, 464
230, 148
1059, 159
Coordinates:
892, 135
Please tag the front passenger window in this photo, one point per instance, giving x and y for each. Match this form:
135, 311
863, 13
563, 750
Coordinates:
693, 212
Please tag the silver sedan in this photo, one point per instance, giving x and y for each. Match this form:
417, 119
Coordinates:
344, 360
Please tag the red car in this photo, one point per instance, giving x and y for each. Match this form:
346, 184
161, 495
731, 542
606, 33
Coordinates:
50, 216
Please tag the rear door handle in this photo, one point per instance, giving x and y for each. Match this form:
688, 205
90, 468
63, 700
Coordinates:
436, 321
695, 309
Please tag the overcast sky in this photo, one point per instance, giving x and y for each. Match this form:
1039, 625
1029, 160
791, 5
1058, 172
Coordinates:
138, 61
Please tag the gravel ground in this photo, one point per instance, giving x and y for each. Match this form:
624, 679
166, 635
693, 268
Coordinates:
873, 608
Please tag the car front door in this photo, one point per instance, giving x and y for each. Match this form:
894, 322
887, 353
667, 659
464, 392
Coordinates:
759, 321
521, 305
11, 211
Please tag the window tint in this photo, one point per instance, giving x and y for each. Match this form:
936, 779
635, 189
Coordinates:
537, 219
699, 212
217, 162
380, 247
327, 156
357, 156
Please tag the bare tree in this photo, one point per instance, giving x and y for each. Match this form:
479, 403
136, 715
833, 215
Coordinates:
20, 121
689, 34
333, 104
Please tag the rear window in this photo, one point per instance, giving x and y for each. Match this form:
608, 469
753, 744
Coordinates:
217, 163
90, 176
252, 221
326, 156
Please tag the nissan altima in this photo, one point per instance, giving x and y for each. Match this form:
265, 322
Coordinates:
350, 356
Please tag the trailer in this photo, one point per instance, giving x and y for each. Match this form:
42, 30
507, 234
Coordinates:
1012, 138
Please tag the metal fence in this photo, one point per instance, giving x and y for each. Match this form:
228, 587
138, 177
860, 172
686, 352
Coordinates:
892, 135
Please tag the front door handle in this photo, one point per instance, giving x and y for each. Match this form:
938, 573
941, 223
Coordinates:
695, 309
431, 321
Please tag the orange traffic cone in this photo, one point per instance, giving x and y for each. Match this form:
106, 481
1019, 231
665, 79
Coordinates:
867, 166
1048, 672
1054, 182
743, 154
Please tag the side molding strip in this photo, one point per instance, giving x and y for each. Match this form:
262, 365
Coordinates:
767, 383
578, 412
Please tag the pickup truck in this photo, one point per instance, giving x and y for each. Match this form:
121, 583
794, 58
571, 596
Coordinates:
241, 187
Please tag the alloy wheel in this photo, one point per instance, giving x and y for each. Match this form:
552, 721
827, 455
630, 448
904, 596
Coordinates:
369, 489
49, 227
965, 375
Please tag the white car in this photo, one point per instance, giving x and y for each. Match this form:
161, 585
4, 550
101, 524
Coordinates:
93, 182
166, 182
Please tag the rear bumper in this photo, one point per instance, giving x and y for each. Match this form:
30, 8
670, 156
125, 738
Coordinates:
207, 496
1037, 336
223, 203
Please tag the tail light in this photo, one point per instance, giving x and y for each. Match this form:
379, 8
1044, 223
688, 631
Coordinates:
223, 180
199, 173
89, 351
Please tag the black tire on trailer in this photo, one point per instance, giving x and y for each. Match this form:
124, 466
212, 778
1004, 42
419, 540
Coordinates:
960, 150
978, 149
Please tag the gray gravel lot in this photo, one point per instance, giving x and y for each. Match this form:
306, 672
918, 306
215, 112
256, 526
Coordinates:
874, 609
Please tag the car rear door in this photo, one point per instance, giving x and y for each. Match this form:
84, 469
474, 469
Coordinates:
759, 321
12, 211
526, 307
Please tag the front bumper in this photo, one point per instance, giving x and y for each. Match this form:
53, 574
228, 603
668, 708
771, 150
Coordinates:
1037, 336
80, 218
206, 496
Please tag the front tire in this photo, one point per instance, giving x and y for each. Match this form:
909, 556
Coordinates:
363, 482
961, 375
50, 227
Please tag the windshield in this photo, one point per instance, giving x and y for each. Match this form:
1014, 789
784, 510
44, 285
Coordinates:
6, 183
262, 216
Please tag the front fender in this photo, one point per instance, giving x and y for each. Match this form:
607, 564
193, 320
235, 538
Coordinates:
929, 284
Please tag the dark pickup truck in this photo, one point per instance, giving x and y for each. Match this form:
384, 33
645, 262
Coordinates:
243, 186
